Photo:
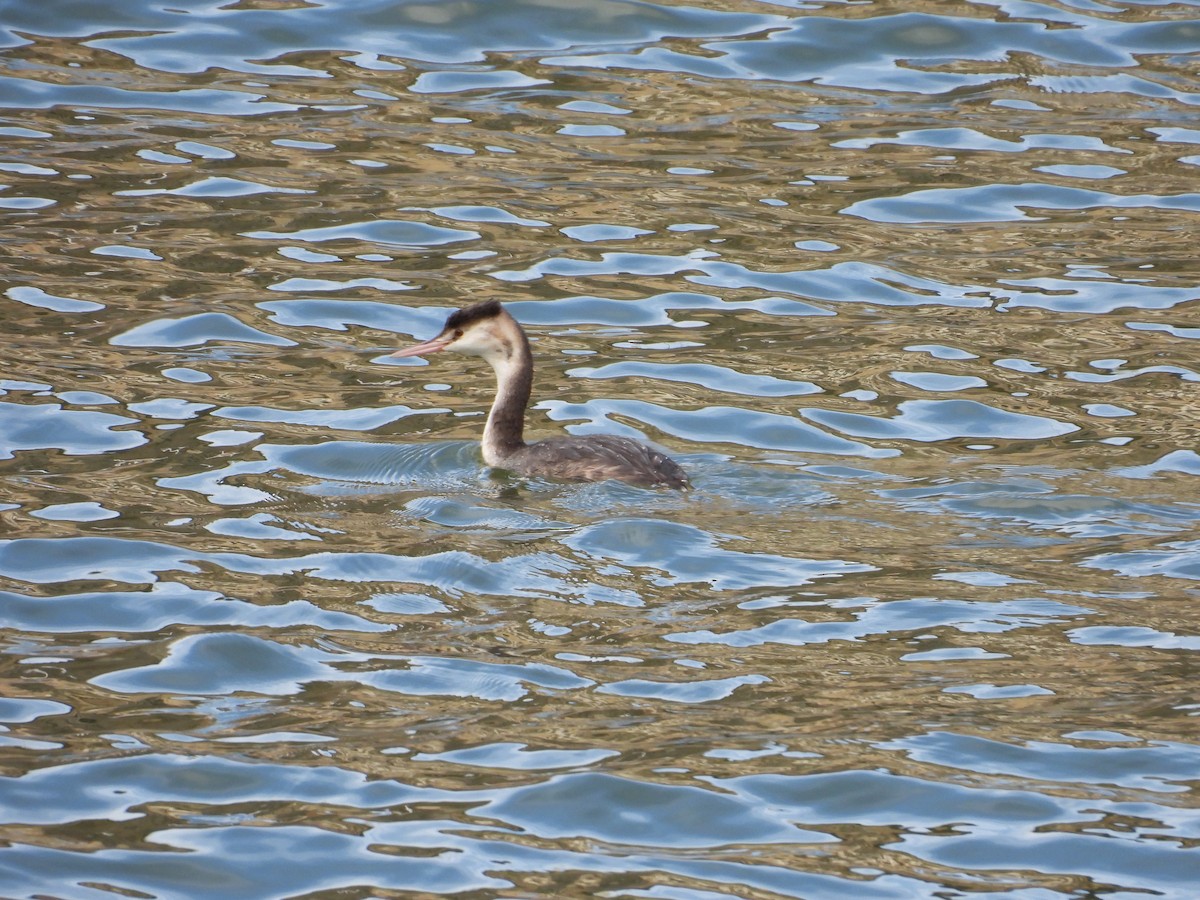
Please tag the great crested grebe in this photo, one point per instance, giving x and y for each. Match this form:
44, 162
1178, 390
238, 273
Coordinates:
486, 329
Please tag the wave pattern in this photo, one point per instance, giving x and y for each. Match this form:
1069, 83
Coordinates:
909, 292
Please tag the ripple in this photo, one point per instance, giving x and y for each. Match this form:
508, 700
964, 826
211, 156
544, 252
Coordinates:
222, 664
488, 214
366, 419
939, 381
693, 555
1092, 296
57, 793
191, 331
27, 709
338, 315
1177, 331
215, 187
373, 463
972, 139
1089, 172
939, 420
450, 572
608, 264
324, 284
1174, 560
703, 691
393, 232
892, 617
124, 251
1123, 83
1019, 820
34, 296
1185, 462
1132, 636
1005, 203
457, 82
844, 666
25, 94
715, 378
47, 426
510, 755
872, 52
598, 232
851, 282
714, 424
75, 512
164, 605
1157, 766
661, 815
999, 692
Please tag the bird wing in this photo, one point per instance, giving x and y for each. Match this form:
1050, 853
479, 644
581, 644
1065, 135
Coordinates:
601, 456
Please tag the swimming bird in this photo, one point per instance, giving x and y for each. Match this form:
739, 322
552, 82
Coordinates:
487, 330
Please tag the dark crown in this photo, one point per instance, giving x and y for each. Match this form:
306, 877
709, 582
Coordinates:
469, 315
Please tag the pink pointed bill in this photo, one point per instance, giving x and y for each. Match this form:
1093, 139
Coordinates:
433, 346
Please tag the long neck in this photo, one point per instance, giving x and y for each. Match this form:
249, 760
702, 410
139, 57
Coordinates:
503, 434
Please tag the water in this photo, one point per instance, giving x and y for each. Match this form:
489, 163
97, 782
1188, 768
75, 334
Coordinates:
910, 289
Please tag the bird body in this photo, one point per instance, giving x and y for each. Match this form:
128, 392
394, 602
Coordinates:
487, 330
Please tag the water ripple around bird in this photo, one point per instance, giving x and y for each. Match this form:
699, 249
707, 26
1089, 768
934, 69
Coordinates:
905, 288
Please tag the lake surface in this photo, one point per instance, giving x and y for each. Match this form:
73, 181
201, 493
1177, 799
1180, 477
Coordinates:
911, 291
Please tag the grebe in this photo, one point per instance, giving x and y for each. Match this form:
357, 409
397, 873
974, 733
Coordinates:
486, 329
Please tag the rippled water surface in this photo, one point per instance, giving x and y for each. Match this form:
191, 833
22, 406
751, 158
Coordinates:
911, 291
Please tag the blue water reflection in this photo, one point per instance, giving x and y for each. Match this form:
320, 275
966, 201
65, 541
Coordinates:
909, 294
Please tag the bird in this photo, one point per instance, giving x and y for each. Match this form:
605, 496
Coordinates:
486, 329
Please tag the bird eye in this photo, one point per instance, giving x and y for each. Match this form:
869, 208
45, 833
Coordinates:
457, 333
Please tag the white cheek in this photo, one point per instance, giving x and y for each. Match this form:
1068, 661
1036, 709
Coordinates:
478, 342
470, 345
